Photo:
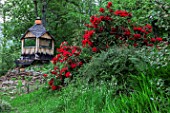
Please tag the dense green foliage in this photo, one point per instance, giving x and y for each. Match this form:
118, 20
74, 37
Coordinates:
117, 79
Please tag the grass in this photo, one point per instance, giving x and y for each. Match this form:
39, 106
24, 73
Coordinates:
101, 98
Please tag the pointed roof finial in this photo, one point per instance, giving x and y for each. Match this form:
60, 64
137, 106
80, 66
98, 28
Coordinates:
38, 21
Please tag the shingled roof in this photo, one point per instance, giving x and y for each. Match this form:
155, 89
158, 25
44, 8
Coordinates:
38, 30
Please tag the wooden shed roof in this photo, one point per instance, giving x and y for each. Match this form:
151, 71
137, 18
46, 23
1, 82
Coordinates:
38, 30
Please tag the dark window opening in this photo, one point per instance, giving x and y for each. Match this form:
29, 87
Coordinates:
29, 42
45, 43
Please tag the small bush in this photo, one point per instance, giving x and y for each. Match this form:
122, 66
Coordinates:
116, 62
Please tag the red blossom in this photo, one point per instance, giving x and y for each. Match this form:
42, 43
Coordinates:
63, 70
80, 63
135, 44
68, 74
122, 13
101, 10
73, 65
78, 50
56, 58
107, 18
111, 10
73, 50
88, 34
90, 43
113, 30
54, 87
158, 39
101, 29
109, 4
84, 42
136, 36
148, 26
51, 82
102, 18
127, 32
45, 75
137, 28
153, 40
55, 68
53, 72
131, 39
66, 53
144, 31
95, 21
94, 49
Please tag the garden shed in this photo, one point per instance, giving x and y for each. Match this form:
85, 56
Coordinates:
37, 44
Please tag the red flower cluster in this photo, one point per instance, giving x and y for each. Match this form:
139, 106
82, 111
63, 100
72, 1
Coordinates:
101, 10
122, 13
87, 36
95, 21
51, 82
127, 32
104, 31
145, 29
94, 49
68, 74
65, 61
109, 4
137, 36
53, 87
159, 39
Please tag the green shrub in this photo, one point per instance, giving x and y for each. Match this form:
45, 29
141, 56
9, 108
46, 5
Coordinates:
117, 62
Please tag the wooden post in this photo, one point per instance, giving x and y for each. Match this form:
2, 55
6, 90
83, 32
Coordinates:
37, 48
52, 47
22, 46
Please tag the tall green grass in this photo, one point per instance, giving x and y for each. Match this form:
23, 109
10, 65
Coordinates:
101, 98
123, 84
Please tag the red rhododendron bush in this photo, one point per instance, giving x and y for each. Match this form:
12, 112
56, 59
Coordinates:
115, 27
65, 62
108, 28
